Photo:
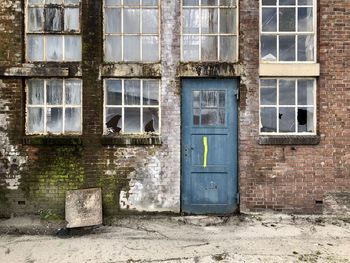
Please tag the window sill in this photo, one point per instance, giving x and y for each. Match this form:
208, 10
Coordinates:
126, 69
51, 140
289, 139
298, 69
126, 140
208, 69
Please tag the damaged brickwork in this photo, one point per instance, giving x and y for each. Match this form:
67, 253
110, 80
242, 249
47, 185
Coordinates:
143, 174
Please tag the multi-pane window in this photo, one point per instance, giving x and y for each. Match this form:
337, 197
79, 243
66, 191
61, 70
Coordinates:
209, 30
53, 106
131, 106
53, 30
288, 31
287, 106
131, 30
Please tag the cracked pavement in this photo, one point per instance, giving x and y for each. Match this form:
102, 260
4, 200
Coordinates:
244, 238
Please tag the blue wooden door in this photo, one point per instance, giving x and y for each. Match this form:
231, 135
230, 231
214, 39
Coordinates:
209, 146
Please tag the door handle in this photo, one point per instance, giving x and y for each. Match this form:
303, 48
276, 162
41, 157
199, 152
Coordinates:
205, 152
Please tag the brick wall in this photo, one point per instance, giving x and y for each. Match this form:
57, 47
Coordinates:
34, 177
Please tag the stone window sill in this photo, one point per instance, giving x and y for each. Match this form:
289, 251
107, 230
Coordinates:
289, 139
51, 140
208, 69
126, 140
289, 69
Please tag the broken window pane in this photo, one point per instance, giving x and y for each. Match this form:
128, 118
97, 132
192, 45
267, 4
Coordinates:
269, 19
209, 21
190, 48
54, 120
268, 119
72, 121
228, 48
71, 19
132, 48
150, 92
113, 120
286, 118
114, 92
113, 48
150, 120
132, 120
191, 21
35, 120
131, 21
35, 19
305, 119
54, 46
150, 48
269, 48
72, 48
53, 19
306, 48
113, 20
132, 92
228, 21
306, 92
54, 92
287, 48
35, 48
150, 21
287, 92
36, 92
209, 48
73, 92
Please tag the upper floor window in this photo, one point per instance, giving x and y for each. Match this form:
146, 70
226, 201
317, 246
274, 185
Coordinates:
288, 31
53, 30
54, 106
209, 30
131, 30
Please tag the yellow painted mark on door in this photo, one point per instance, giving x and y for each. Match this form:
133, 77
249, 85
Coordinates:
205, 144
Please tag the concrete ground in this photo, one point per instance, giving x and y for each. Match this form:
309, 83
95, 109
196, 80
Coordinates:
244, 238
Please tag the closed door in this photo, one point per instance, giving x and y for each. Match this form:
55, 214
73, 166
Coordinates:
209, 146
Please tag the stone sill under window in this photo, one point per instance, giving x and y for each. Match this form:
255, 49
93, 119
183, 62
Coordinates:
289, 139
127, 140
126, 69
209, 69
289, 69
51, 140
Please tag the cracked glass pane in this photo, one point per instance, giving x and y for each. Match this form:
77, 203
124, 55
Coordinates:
268, 119
53, 19
132, 92
72, 48
305, 119
150, 48
71, 19
35, 19
150, 92
73, 92
151, 120
35, 120
36, 92
286, 118
72, 120
54, 46
113, 48
54, 120
54, 92
132, 120
113, 120
35, 48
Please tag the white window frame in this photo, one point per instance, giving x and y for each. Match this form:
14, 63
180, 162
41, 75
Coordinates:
122, 34
63, 106
123, 106
44, 34
218, 34
294, 33
296, 106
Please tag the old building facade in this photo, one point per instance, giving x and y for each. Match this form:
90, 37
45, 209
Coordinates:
194, 106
